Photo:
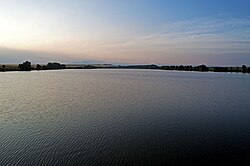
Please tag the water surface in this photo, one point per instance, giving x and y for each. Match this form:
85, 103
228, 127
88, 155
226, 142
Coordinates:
123, 117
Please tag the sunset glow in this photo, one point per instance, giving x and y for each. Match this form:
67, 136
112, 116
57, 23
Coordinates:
131, 31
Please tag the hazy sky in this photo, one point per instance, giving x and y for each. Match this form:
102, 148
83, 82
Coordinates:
214, 32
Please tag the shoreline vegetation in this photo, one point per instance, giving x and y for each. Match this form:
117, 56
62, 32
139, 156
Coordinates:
27, 66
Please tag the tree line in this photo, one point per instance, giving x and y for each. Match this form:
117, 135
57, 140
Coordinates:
26, 66
243, 68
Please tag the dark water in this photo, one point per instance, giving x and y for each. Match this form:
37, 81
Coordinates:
123, 117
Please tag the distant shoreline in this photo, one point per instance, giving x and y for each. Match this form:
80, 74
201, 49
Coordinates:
26, 66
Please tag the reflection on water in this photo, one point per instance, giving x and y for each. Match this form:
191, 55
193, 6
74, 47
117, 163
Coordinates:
123, 117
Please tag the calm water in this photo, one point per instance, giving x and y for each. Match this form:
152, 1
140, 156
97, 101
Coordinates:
123, 117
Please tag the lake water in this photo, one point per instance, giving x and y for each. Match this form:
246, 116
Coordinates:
123, 117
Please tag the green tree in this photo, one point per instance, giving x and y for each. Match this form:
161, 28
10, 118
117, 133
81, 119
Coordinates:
248, 69
26, 66
38, 67
3, 67
244, 68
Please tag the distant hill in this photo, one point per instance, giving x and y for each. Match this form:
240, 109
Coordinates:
97, 62
89, 61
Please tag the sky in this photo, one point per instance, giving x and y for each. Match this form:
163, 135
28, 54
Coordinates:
212, 32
